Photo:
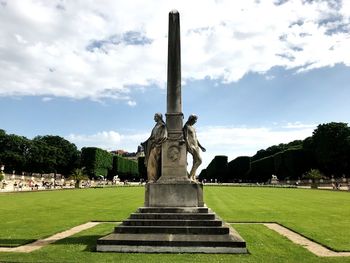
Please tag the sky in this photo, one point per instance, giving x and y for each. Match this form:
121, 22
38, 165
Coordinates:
257, 73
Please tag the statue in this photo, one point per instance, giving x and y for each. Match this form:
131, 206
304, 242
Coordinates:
153, 147
193, 145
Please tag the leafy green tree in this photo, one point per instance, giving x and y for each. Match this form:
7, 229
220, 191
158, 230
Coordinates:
60, 155
315, 175
41, 157
78, 175
14, 151
297, 144
331, 146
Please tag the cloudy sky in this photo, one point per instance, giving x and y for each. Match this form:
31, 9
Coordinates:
257, 73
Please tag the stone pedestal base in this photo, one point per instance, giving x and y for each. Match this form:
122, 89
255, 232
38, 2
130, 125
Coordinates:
173, 230
186, 194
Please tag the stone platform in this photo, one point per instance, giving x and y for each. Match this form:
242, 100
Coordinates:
173, 230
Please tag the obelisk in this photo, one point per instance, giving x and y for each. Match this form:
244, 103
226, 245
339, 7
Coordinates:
174, 218
174, 188
174, 160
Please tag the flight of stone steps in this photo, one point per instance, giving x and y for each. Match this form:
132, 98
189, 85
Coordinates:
173, 230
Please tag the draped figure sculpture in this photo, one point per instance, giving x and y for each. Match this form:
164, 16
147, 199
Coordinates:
193, 145
153, 148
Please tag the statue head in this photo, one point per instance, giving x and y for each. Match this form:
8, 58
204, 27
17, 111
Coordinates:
158, 116
192, 119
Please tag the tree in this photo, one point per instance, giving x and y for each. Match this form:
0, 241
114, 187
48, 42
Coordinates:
331, 146
78, 175
62, 156
41, 157
297, 144
14, 151
314, 175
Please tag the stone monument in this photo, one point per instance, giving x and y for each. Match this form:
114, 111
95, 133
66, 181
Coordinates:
174, 218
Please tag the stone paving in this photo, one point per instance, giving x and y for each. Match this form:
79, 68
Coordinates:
312, 246
44, 242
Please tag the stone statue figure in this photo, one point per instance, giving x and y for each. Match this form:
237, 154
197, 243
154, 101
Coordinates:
193, 145
153, 147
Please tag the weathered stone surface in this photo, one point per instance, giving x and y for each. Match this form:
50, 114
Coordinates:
174, 65
174, 195
171, 222
169, 216
171, 249
174, 162
173, 232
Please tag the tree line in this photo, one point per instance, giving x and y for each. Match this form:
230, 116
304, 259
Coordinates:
54, 154
327, 150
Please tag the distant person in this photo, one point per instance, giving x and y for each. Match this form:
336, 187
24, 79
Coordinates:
153, 148
193, 145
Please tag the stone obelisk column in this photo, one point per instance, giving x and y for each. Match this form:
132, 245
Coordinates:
174, 160
174, 188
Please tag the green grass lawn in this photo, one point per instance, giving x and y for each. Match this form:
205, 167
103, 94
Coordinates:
28, 216
323, 216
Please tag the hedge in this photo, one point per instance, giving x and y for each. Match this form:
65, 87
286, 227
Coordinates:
126, 169
217, 169
96, 161
203, 175
238, 168
142, 168
293, 163
261, 170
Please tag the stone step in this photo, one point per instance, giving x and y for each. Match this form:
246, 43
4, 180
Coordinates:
197, 230
155, 222
171, 240
174, 216
173, 210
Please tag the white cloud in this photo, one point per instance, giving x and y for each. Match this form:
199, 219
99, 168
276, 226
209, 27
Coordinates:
46, 99
44, 44
109, 140
218, 140
132, 103
298, 125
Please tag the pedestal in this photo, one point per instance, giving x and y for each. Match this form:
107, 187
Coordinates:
186, 194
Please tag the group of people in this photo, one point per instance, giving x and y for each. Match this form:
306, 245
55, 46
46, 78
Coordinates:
153, 147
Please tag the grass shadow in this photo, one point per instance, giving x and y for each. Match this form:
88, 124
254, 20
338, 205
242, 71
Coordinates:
15, 242
89, 241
